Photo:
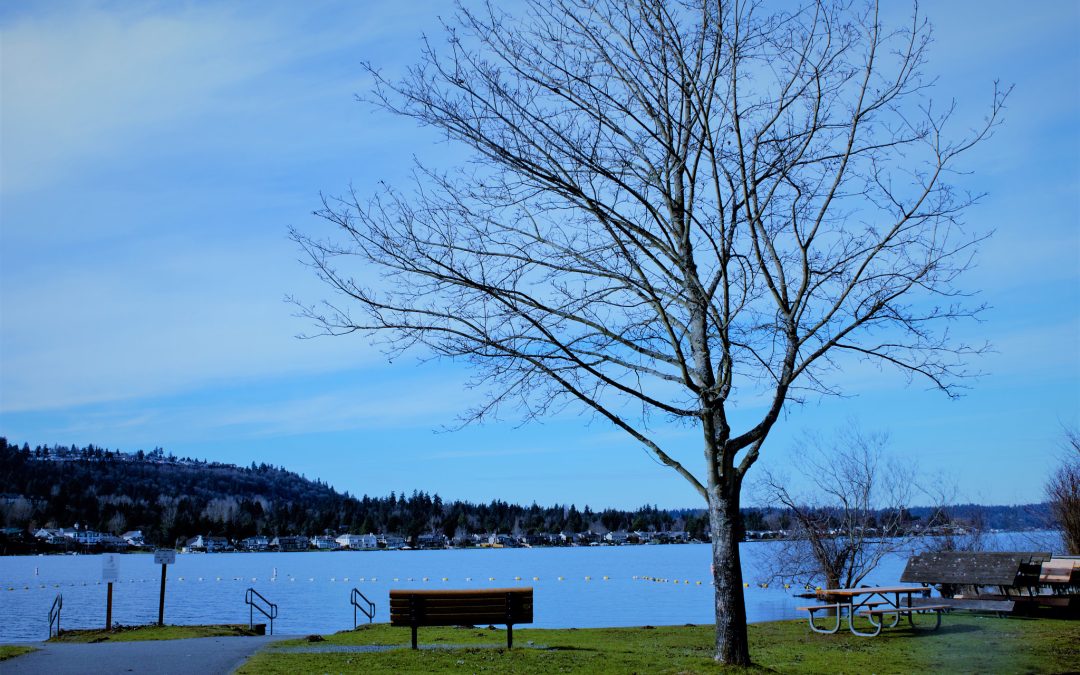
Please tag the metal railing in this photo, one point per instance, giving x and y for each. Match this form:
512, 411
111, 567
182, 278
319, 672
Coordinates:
54, 614
360, 602
255, 601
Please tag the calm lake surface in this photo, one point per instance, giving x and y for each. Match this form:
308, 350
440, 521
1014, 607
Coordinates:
312, 589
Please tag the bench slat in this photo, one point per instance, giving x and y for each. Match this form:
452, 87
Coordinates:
468, 619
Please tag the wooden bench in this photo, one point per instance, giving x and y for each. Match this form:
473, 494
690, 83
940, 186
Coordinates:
965, 577
415, 608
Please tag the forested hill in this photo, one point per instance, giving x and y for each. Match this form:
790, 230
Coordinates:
164, 496
169, 498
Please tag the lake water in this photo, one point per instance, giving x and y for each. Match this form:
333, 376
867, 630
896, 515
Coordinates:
312, 589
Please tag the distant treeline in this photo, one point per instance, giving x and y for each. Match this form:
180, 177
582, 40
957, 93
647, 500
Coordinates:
170, 499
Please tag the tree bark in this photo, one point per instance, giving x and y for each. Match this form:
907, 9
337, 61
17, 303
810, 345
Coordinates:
732, 645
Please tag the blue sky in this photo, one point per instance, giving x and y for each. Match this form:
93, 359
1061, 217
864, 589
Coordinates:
154, 155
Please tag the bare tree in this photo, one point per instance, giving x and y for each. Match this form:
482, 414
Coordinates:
676, 210
852, 513
1063, 493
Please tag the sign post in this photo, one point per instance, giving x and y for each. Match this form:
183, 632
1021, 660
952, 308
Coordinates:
163, 557
110, 572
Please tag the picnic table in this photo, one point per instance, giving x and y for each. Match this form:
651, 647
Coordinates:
874, 603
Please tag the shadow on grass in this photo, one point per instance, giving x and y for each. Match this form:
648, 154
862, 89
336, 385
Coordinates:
561, 648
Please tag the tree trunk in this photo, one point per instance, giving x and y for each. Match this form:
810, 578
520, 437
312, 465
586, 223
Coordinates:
732, 646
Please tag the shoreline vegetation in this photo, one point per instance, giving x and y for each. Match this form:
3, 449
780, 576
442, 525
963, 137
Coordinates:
91, 500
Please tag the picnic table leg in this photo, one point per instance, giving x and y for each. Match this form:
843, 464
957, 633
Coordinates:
851, 623
896, 619
826, 631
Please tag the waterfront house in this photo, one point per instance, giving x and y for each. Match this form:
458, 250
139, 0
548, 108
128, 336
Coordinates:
256, 543
391, 541
290, 543
325, 542
432, 541
83, 537
586, 538
617, 538
217, 544
112, 543
134, 538
356, 542
502, 541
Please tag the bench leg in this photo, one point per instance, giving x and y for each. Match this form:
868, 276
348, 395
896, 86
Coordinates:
414, 637
827, 631
509, 635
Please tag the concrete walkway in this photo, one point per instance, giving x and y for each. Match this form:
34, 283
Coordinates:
202, 656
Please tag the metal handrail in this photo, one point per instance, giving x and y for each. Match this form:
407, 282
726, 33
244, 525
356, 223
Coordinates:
251, 598
369, 611
54, 614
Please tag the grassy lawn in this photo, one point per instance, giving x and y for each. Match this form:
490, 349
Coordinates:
152, 632
963, 644
11, 651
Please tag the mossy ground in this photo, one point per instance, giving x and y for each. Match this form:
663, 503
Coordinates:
964, 644
11, 651
152, 632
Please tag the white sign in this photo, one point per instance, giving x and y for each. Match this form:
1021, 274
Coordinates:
110, 569
165, 556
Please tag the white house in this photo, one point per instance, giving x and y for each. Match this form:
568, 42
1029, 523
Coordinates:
616, 537
358, 541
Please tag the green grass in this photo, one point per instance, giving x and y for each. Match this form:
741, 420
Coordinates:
152, 632
11, 651
963, 644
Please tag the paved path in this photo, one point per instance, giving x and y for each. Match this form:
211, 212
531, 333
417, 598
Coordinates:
203, 656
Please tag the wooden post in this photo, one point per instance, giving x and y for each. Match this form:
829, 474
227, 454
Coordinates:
161, 599
509, 620
108, 610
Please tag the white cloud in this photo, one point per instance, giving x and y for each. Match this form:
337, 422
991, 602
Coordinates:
80, 86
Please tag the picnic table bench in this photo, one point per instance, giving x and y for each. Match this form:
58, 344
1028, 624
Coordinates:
415, 608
